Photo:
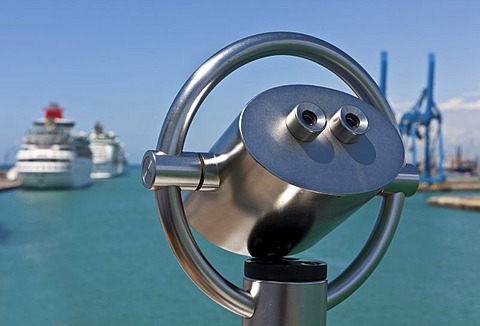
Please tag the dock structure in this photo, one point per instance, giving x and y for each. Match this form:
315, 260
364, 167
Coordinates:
6, 184
469, 203
450, 186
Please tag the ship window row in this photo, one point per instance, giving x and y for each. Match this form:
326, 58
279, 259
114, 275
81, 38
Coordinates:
44, 168
47, 139
43, 160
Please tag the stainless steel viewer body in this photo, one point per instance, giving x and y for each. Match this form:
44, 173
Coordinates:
279, 195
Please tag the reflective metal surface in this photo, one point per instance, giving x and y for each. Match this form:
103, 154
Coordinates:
349, 124
371, 254
190, 171
407, 181
195, 265
277, 195
179, 118
287, 303
306, 121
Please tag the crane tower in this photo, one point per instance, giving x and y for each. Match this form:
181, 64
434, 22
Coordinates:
421, 127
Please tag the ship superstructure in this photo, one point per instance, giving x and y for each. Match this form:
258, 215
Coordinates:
109, 157
52, 156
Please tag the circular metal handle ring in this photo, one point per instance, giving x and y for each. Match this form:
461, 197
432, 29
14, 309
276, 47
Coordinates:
172, 138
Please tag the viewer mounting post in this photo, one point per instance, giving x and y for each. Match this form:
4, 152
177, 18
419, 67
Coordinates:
295, 164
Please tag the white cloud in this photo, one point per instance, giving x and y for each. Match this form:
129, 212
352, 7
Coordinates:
469, 100
459, 103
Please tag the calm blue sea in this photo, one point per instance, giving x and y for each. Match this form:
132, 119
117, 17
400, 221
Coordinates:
97, 256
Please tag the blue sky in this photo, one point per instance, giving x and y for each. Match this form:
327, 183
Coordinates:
123, 62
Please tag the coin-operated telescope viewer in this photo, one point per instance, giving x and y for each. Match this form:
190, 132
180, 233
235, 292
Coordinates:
296, 162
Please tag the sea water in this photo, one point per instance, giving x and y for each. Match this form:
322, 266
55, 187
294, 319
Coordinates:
98, 256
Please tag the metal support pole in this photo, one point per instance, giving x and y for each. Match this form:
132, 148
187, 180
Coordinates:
287, 291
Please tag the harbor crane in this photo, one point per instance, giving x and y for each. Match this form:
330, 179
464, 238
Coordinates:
423, 123
383, 72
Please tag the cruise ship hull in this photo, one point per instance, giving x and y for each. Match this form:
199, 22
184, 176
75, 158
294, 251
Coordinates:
107, 170
54, 175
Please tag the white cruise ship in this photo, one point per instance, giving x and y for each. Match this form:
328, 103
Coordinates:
52, 156
109, 157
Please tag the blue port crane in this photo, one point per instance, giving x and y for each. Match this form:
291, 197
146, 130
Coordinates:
383, 72
424, 123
